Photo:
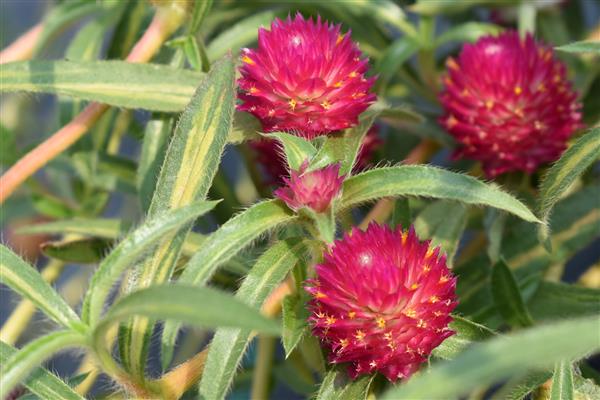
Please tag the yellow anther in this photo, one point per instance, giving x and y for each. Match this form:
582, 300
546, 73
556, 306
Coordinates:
248, 60
343, 343
434, 299
352, 74
489, 104
519, 113
357, 95
556, 78
380, 322
404, 236
330, 320
421, 324
387, 336
320, 315
410, 313
359, 335
444, 279
339, 39
538, 125
253, 90
338, 84
326, 105
438, 313
426, 268
373, 364
292, 103
518, 90
541, 88
451, 121
320, 295
429, 252
451, 63
351, 314
271, 112
414, 286
464, 93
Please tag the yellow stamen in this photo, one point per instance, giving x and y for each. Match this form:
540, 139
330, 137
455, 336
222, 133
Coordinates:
253, 90
351, 314
429, 252
271, 112
373, 364
421, 324
380, 322
326, 105
339, 39
359, 335
343, 343
518, 90
292, 103
320, 295
451, 121
434, 299
451, 63
444, 279
410, 313
414, 286
338, 84
556, 78
330, 320
248, 60
489, 104
352, 74
404, 236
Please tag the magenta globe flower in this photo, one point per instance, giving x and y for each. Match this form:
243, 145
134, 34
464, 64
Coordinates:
382, 301
305, 77
509, 103
315, 189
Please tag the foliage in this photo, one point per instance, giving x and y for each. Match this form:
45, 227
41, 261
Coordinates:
129, 205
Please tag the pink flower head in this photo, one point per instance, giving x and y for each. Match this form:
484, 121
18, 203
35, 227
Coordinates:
314, 189
382, 301
509, 103
270, 155
305, 77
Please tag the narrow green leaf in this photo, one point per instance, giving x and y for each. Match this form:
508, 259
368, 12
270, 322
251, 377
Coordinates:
156, 139
562, 382
400, 51
574, 161
467, 32
240, 35
228, 345
199, 12
205, 307
118, 83
467, 332
41, 382
107, 228
20, 364
401, 215
518, 388
295, 321
494, 228
25, 280
85, 251
222, 245
187, 173
555, 300
507, 296
337, 386
343, 147
419, 180
512, 354
435, 7
130, 249
444, 223
581, 47
323, 222
296, 149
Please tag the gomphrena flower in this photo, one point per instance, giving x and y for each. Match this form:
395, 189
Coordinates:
314, 189
509, 104
270, 155
305, 77
382, 301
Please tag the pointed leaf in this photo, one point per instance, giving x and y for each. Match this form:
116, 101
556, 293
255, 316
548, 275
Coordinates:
337, 386
426, 181
586, 46
467, 332
82, 251
295, 321
296, 149
562, 382
507, 296
25, 280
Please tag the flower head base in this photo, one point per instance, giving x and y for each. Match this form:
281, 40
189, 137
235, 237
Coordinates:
315, 189
382, 301
305, 77
509, 104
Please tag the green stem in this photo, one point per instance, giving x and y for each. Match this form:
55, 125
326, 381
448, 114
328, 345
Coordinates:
253, 170
527, 15
261, 378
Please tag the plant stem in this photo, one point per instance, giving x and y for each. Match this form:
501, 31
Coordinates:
261, 379
24, 311
22, 48
165, 22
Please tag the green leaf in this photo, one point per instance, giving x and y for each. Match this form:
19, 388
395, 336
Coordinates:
562, 382
205, 307
41, 382
337, 386
297, 149
228, 345
223, 244
555, 300
467, 32
419, 180
187, 173
343, 147
574, 161
199, 12
435, 7
324, 222
537, 347
295, 321
240, 35
401, 215
494, 228
25, 280
519, 387
400, 51
507, 296
585, 46
130, 249
117, 83
21, 363
467, 332
156, 139
444, 223
107, 228
86, 251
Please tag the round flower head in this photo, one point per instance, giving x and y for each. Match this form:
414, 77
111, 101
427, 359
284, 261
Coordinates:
509, 104
314, 189
305, 77
270, 155
382, 301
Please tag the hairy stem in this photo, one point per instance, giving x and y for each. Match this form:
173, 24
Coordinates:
261, 379
164, 23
